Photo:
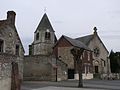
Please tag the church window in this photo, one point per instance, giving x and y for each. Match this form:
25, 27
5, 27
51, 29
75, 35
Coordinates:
47, 34
1, 45
88, 55
104, 64
96, 69
30, 49
96, 52
37, 36
17, 50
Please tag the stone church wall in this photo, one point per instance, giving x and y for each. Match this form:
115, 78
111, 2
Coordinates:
37, 68
102, 58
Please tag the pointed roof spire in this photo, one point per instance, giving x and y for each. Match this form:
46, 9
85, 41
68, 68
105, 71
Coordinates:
44, 23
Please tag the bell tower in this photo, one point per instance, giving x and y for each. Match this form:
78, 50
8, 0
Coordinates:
44, 38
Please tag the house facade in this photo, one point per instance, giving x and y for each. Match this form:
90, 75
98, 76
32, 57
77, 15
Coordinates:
11, 54
63, 49
101, 62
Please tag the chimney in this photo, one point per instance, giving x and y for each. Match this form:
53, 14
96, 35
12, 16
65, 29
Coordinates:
11, 17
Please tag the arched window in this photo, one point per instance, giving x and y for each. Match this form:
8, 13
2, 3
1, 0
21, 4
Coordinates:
37, 36
47, 34
1, 45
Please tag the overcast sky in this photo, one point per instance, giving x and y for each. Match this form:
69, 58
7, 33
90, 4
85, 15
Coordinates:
74, 18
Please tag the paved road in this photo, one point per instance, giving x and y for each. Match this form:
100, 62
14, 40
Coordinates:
72, 85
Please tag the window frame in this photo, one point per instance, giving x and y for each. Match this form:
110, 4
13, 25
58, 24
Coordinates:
96, 52
47, 34
37, 36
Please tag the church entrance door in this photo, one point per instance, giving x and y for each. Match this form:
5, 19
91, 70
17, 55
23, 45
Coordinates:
96, 69
71, 73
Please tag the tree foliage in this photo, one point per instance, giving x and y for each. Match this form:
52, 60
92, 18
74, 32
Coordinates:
115, 62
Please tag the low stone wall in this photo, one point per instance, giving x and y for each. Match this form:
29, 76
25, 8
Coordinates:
37, 67
44, 68
110, 76
88, 76
84, 76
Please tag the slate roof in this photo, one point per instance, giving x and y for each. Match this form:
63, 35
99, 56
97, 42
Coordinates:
76, 43
45, 23
85, 39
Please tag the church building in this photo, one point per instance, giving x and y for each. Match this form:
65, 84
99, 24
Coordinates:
40, 64
101, 62
51, 59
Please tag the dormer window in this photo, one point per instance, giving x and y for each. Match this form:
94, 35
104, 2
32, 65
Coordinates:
37, 36
47, 34
1, 45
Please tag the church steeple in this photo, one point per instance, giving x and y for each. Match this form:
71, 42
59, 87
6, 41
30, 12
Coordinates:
44, 24
44, 38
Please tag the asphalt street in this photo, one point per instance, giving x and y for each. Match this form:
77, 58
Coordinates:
72, 85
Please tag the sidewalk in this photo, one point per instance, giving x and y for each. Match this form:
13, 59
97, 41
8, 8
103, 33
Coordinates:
63, 88
72, 85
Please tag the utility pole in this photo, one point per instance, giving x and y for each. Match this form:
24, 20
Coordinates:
77, 53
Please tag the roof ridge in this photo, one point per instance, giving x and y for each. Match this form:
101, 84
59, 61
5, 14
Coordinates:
85, 36
76, 43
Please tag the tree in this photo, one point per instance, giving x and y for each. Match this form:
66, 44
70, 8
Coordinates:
77, 53
114, 62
